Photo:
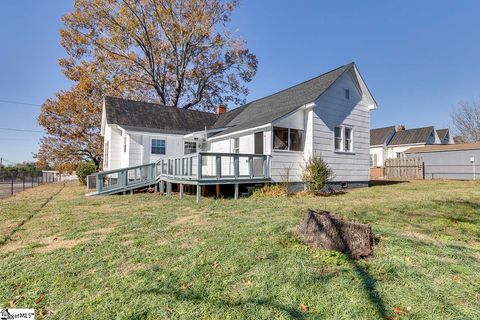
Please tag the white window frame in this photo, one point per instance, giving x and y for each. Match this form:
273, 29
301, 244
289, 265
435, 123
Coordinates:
151, 146
235, 149
342, 139
289, 142
185, 147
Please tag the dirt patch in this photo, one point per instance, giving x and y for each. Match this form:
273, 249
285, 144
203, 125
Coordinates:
45, 244
194, 219
412, 235
58, 243
101, 231
127, 268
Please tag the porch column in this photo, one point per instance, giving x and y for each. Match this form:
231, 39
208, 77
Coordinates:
181, 191
199, 191
236, 191
169, 188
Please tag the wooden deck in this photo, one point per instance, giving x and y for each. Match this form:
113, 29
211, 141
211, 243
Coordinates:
203, 168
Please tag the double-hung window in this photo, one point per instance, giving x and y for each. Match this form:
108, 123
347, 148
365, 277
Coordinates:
190, 147
158, 146
236, 145
343, 139
288, 139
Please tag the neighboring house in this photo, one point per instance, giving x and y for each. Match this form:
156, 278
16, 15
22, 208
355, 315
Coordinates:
407, 138
453, 161
445, 137
328, 115
379, 139
389, 142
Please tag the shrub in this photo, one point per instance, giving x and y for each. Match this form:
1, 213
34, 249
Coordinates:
316, 174
83, 170
274, 190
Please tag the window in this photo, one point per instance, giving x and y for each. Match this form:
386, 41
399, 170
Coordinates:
125, 143
105, 154
190, 147
158, 146
288, 139
373, 161
296, 140
236, 145
348, 139
343, 137
347, 94
399, 155
280, 138
338, 138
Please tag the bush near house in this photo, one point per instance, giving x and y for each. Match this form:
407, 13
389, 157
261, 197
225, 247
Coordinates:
316, 174
83, 170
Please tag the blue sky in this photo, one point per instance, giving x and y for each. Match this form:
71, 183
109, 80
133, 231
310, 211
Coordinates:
419, 58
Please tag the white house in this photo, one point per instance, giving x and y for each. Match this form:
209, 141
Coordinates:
389, 142
328, 115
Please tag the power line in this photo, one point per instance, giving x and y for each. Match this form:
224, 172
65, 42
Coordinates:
21, 130
21, 103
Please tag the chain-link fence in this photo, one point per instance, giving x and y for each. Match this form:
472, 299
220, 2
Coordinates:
12, 182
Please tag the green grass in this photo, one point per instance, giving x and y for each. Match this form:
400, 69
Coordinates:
150, 257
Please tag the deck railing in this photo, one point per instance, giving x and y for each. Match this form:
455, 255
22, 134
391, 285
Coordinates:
197, 168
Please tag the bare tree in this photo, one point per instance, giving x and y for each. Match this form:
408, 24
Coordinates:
466, 120
180, 53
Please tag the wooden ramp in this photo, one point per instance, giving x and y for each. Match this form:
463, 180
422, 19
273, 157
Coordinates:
204, 168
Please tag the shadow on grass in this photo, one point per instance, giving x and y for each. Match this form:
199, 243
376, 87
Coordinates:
192, 296
373, 183
368, 283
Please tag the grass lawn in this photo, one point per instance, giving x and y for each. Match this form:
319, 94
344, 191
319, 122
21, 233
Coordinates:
152, 257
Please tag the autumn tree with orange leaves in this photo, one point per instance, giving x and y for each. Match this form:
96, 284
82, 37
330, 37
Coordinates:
173, 52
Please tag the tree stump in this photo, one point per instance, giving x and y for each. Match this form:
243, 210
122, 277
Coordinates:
324, 230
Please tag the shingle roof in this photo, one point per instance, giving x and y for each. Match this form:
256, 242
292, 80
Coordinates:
270, 108
381, 136
442, 133
144, 116
444, 147
411, 136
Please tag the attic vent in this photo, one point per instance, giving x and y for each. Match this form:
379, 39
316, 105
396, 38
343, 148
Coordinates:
347, 94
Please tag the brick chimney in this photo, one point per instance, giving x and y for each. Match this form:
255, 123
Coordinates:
221, 109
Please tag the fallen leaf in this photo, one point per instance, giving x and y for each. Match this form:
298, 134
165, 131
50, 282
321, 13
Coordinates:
454, 278
55, 239
303, 307
39, 299
247, 282
216, 265
400, 311
185, 286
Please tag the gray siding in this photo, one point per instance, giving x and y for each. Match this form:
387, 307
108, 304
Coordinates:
333, 109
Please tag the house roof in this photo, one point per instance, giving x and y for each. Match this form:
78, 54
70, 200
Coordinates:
411, 136
442, 133
381, 136
144, 116
272, 107
444, 147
